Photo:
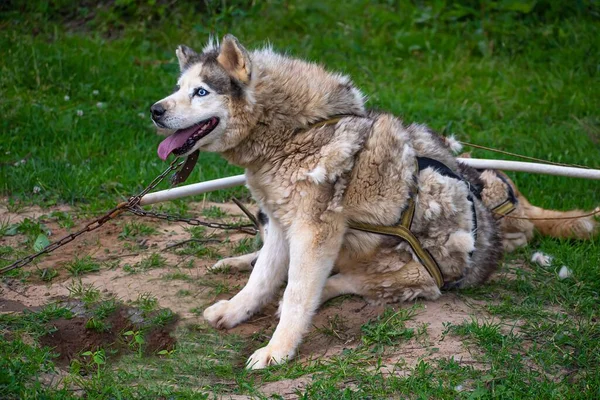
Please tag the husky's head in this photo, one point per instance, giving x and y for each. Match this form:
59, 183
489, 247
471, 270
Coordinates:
213, 86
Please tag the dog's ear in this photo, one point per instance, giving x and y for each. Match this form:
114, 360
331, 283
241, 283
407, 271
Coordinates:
235, 59
184, 55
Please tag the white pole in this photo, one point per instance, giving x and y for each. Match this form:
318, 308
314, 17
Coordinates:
238, 180
193, 189
534, 168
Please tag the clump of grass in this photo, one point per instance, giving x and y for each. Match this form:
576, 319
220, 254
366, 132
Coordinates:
105, 308
154, 261
216, 286
177, 276
197, 310
6, 250
28, 227
5, 225
334, 328
488, 334
132, 230
15, 205
389, 328
163, 317
18, 273
86, 292
199, 250
244, 246
146, 302
213, 212
176, 207
96, 324
47, 274
36, 232
183, 293
81, 266
196, 232
64, 219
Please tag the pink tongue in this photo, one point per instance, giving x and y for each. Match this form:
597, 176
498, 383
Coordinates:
175, 141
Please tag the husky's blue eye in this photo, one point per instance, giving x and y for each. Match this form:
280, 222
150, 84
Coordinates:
200, 92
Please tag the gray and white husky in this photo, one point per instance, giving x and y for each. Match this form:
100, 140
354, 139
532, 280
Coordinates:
317, 162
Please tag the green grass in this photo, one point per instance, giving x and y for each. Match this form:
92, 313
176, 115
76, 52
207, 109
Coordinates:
389, 328
47, 274
34, 231
86, 292
244, 246
522, 76
213, 212
146, 302
81, 266
153, 261
134, 229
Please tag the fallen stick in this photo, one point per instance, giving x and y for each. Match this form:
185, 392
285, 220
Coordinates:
238, 180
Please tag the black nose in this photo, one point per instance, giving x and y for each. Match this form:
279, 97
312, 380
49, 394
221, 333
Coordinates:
157, 111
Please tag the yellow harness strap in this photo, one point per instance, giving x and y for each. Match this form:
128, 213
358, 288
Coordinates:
404, 233
504, 209
510, 204
330, 121
402, 230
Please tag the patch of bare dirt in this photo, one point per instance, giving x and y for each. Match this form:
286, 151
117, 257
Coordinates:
185, 286
106, 248
8, 306
71, 337
434, 318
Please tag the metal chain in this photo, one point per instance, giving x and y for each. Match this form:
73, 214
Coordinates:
132, 205
91, 226
249, 228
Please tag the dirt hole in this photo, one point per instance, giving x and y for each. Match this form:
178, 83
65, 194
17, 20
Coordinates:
115, 334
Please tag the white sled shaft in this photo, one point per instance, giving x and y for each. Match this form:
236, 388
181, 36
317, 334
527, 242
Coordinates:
534, 168
238, 180
192, 190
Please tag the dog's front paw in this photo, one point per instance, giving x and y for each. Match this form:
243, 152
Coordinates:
222, 315
268, 355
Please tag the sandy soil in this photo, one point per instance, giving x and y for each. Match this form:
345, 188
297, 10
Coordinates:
337, 325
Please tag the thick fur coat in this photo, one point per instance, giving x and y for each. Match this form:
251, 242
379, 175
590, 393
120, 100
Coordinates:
312, 180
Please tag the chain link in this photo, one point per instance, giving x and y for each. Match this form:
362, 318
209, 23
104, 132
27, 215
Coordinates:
132, 205
249, 228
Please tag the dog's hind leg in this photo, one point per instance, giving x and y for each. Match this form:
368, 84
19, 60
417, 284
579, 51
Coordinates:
517, 227
384, 278
570, 224
341, 284
242, 263
266, 278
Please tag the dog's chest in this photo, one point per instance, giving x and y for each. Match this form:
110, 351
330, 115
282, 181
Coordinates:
272, 193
